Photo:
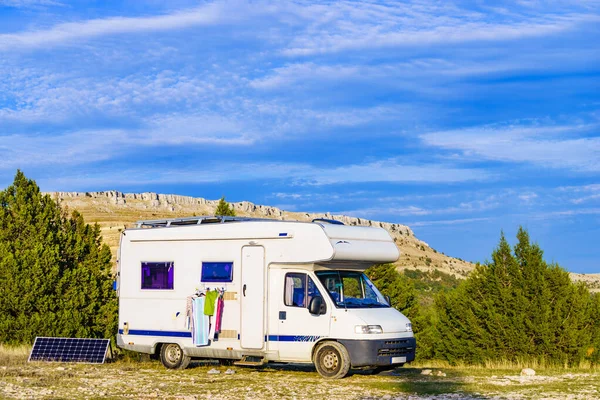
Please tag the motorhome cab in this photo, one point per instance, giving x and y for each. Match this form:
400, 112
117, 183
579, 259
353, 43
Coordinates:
255, 291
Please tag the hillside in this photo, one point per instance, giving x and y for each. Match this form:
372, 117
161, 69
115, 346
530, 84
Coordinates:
114, 211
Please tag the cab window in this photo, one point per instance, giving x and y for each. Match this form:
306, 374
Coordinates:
299, 290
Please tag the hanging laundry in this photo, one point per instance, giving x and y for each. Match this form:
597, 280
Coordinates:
209, 305
188, 312
200, 322
219, 314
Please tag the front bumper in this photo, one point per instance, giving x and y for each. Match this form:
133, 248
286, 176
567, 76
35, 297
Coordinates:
367, 353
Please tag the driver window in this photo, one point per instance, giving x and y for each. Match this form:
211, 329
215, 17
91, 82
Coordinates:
299, 290
295, 290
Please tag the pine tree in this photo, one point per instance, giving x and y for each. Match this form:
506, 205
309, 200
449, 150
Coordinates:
54, 272
224, 208
516, 307
404, 298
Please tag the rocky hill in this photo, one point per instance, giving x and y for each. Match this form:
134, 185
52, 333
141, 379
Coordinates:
115, 211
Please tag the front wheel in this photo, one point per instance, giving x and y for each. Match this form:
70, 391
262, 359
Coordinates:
172, 356
332, 360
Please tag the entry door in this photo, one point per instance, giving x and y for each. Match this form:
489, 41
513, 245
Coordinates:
252, 331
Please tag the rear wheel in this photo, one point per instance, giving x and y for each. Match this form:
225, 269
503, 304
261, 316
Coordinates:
332, 360
172, 356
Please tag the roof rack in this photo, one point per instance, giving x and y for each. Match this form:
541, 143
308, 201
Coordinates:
204, 219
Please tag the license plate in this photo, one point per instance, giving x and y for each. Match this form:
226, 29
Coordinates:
398, 360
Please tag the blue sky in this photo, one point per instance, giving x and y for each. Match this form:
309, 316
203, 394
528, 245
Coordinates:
459, 119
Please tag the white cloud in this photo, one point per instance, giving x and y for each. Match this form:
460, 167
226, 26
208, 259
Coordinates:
48, 97
89, 146
459, 221
207, 14
298, 174
30, 3
552, 146
348, 26
528, 198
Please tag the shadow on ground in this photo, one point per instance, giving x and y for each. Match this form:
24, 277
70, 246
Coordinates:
402, 380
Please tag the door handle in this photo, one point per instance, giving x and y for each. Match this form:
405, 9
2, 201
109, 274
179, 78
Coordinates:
244, 290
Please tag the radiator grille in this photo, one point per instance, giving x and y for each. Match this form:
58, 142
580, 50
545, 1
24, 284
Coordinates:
394, 352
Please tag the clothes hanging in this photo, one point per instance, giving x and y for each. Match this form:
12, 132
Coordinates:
219, 314
209, 304
200, 322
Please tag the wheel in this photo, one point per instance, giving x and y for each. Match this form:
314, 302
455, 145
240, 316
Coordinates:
172, 356
332, 360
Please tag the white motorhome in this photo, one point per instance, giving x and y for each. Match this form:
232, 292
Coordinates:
286, 291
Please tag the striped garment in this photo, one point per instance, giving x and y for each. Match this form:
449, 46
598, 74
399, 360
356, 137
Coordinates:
200, 323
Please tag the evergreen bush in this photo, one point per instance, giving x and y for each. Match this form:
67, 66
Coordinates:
55, 274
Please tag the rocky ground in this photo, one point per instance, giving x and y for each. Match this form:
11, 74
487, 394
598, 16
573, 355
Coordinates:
148, 380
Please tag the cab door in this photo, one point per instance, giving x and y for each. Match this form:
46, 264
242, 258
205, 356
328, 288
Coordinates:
298, 328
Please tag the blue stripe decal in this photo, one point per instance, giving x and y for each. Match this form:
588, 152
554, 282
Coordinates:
293, 338
157, 333
270, 338
283, 234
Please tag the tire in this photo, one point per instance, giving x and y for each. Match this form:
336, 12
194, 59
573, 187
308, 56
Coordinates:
172, 356
332, 360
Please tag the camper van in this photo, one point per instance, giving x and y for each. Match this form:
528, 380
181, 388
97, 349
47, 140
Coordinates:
253, 291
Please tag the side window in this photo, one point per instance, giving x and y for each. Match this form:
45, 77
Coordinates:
217, 272
295, 290
157, 275
299, 290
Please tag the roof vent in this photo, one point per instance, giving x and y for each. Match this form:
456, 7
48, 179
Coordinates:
328, 221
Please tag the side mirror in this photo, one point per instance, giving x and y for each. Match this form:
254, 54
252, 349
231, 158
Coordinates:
387, 298
315, 307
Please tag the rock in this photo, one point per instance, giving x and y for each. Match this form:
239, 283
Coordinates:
230, 372
214, 371
527, 372
60, 368
440, 373
426, 372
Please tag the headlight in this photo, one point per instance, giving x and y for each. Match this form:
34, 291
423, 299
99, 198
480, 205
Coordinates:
368, 329
408, 327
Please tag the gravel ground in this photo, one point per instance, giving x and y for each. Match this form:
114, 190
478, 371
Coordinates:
149, 380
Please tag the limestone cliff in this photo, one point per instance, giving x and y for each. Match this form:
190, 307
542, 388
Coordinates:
114, 211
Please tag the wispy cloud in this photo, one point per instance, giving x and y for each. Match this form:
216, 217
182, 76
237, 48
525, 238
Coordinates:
552, 146
208, 14
89, 146
350, 26
30, 3
459, 221
297, 174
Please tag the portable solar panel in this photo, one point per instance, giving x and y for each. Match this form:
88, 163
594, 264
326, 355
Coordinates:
69, 350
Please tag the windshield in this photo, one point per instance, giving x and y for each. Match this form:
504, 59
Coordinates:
351, 289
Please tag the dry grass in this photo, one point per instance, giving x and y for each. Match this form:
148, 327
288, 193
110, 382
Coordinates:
507, 365
14, 355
